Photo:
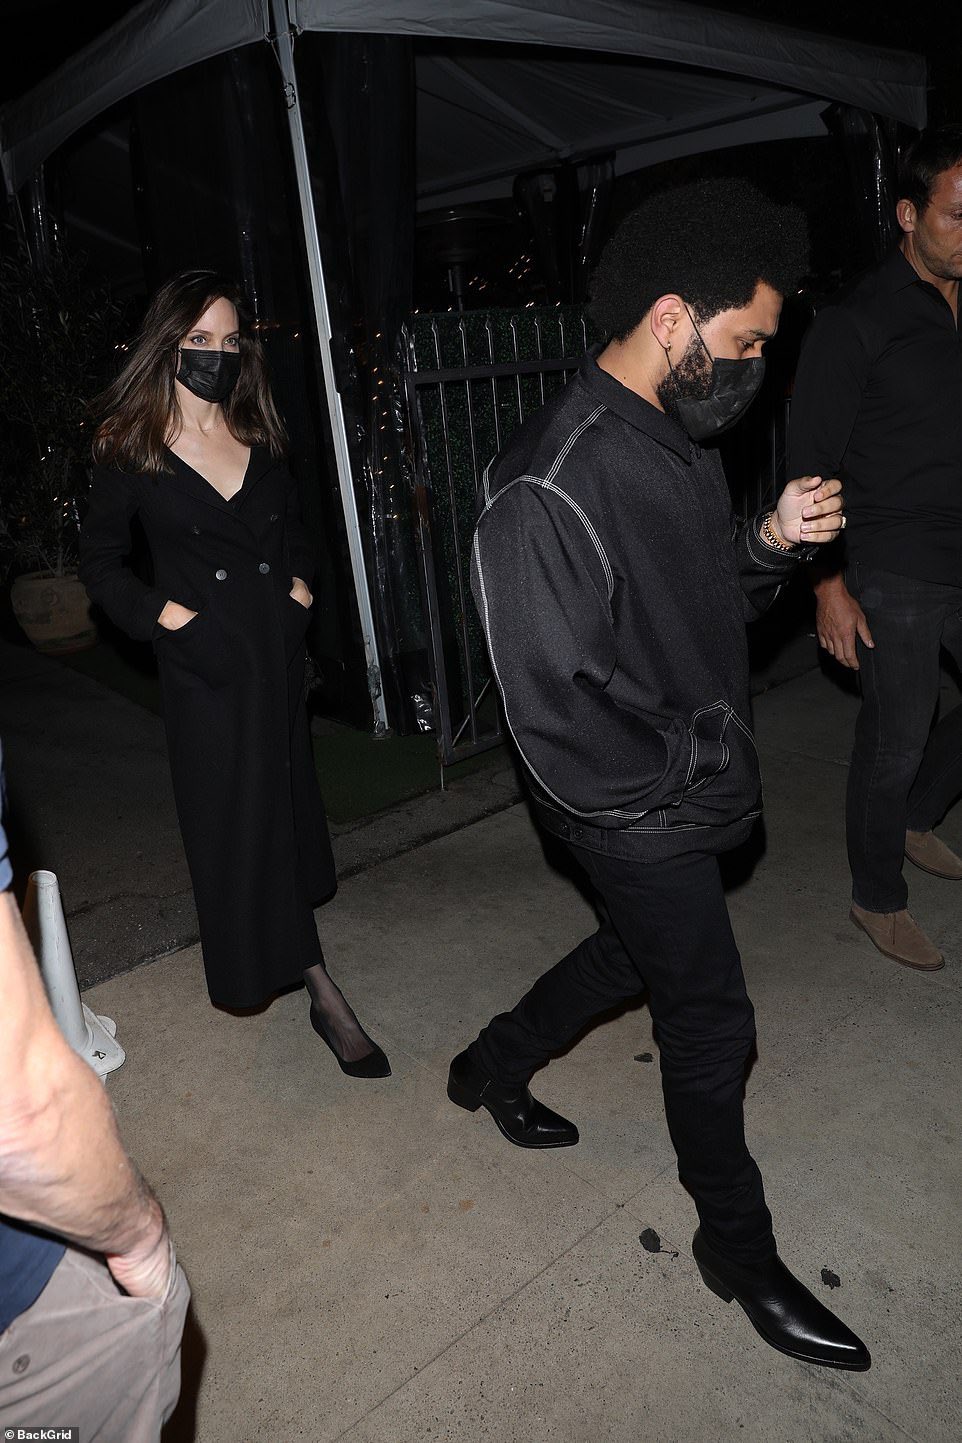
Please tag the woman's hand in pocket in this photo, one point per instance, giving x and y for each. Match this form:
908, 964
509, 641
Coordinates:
300, 593
174, 616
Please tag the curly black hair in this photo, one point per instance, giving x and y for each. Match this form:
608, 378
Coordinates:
710, 241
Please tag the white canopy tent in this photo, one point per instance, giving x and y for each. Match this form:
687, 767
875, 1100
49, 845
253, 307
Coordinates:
757, 76
486, 113
647, 79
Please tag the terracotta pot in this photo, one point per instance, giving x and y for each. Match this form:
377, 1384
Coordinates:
53, 611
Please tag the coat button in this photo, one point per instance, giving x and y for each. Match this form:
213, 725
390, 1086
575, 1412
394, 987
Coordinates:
221, 575
195, 530
273, 515
264, 568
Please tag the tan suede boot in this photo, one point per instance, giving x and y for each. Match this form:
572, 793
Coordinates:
898, 935
932, 855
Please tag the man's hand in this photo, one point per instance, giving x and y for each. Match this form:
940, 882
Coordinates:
62, 1164
809, 511
839, 620
143, 1270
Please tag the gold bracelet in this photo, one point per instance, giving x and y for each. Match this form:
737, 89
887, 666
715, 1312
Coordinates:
769, 537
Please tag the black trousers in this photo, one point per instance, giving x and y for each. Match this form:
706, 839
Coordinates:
904, 772
664, 927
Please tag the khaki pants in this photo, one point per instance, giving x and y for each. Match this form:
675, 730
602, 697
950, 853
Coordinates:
87, 1356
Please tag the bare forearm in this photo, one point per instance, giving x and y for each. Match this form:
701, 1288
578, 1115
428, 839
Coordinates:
62, 1164
828, 580
840, 622
76, 1181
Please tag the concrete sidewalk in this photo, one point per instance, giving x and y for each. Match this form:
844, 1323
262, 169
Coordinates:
373, 1265
90, 798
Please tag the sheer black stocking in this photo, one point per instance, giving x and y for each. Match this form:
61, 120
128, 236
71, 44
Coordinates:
342, 1026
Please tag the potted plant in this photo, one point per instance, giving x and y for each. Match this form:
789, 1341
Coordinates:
56, 334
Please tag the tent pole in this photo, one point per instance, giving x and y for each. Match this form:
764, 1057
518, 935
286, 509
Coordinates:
283, 41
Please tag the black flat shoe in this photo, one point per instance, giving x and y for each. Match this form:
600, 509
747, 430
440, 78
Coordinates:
372, 1064
782, 1310
523, 1120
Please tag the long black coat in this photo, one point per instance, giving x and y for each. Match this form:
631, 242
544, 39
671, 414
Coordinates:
232, 681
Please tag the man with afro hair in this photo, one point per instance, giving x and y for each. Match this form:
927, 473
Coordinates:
613, 585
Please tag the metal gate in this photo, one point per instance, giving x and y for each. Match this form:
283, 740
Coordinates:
470, 380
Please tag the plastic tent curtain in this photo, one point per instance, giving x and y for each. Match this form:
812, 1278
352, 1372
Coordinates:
566, 209
357, 94
870, 157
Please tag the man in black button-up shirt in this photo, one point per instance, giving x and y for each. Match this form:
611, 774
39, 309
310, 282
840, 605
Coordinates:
878, 402
613, 585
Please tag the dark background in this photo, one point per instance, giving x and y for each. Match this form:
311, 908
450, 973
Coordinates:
179, 219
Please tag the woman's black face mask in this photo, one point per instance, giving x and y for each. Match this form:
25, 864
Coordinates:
210, 375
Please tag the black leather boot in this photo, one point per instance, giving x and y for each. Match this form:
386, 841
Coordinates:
521, 1118
782, 1309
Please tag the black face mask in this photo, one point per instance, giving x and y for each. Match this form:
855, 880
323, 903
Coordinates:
732, 388
210, 375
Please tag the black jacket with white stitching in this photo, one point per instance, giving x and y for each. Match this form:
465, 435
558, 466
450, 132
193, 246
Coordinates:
613, 585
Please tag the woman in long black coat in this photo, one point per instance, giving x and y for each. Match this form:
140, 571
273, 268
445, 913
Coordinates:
191, 446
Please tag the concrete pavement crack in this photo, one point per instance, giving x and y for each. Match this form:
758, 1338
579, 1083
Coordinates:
483, 1319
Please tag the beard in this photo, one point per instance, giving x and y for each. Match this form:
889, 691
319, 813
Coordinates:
946, 267
690, 380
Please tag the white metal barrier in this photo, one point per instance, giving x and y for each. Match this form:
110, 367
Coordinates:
91, 1036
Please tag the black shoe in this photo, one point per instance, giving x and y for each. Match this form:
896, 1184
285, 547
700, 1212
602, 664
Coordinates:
521, 1118
372, 1064
782, 1310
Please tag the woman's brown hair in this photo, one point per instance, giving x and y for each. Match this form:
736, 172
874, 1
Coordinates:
139, 406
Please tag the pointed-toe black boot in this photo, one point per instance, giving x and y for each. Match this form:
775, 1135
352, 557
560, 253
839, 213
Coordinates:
521, 1118
782, 1310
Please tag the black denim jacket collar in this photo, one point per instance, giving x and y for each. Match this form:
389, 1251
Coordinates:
634, 408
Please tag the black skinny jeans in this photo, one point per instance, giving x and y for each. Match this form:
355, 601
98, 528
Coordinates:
664, 927
904, 772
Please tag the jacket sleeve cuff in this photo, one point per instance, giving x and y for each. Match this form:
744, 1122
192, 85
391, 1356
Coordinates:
766, 557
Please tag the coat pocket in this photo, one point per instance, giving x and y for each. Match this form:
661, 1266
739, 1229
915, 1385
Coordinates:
295, 621
709, 750
723, 776
199, 648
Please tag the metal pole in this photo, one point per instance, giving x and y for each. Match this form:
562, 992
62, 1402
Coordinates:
283, 40
93, 1037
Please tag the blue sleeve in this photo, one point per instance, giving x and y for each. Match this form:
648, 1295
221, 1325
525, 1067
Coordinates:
6, 874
